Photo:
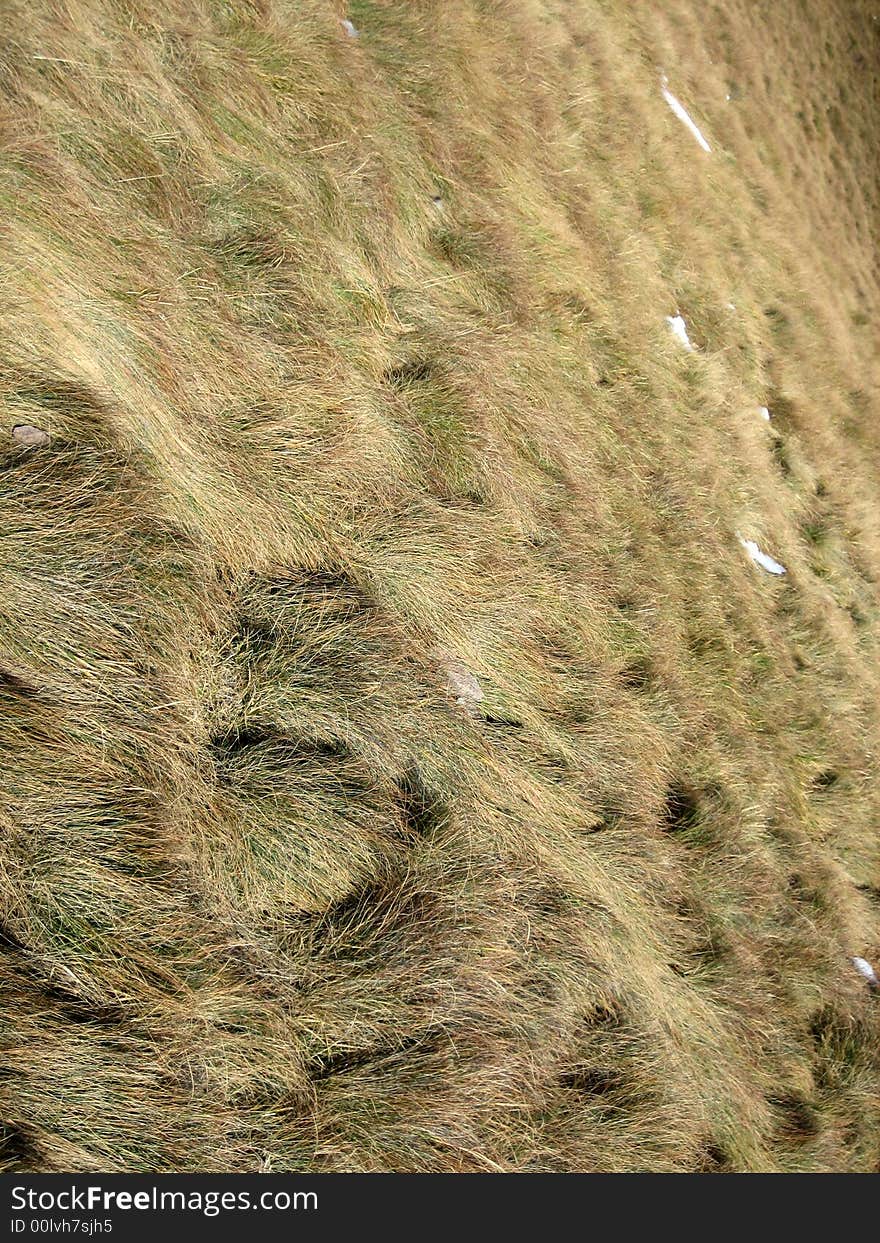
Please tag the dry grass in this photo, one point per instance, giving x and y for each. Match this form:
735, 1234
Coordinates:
353, 357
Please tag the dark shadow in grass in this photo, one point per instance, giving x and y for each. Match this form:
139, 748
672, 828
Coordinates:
710, 945
815, 532
268, 618
65, 1004
841, 1043
80, 1010
371, 1060
14, 685
826, 1025
9, 942
231, 744
251, 639
305, 581
69, 404
825, 780
802, 891
423, 813
386, 908
254, 248
577, 308
609, 1090
18, 1151
837, 1035
58, 395
609, 818
592, 1080
638, 674
781, 456
797, 1120
355, 909
414, 371
253, 634
465, 501
782, 407
713, 1159
707, 942
779, 319
604, 1014
682, 808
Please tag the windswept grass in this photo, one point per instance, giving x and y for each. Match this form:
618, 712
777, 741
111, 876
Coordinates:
353, 360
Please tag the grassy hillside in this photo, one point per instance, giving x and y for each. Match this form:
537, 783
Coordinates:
404, 765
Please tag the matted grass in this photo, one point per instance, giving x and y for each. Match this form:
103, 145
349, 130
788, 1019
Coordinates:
353, 358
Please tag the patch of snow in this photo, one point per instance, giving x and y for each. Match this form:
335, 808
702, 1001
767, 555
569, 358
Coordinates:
679, 330
349, 27
764, 413
682, 114
865, 969
761, 558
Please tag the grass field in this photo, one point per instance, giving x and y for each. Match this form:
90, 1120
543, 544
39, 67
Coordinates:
404, 765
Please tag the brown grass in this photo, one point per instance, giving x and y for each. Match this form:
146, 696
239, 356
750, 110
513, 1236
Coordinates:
353, 357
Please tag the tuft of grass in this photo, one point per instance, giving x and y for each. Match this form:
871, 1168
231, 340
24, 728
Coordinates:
348, 366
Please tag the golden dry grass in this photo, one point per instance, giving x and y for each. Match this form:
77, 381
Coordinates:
354, 361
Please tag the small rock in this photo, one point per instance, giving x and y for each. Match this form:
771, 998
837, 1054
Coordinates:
764, 413
350, 29
461, 683
30, 437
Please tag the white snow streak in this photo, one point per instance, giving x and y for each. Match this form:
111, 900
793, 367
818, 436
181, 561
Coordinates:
680, 111
679, 329
761, 558
864, 968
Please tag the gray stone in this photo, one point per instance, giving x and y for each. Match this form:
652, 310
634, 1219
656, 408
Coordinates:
461, 684
30, 437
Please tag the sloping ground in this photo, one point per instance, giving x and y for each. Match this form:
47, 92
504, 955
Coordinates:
353, 399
